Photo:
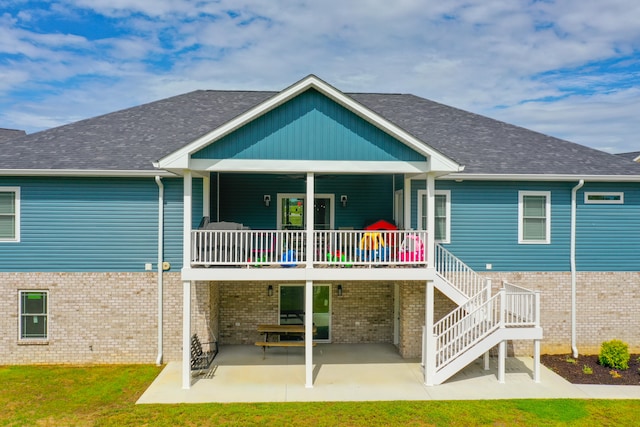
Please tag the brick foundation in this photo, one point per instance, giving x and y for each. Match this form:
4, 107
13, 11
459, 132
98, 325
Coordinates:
112, 317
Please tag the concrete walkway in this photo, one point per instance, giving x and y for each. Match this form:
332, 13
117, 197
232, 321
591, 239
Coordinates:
358, 372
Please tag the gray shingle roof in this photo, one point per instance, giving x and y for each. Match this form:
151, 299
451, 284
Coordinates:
6, 134
631, 156
133, 138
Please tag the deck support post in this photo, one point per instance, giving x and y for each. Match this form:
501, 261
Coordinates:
186, 285
308, 291
186, 335
502, 351
486, 361
429, 349
536, 361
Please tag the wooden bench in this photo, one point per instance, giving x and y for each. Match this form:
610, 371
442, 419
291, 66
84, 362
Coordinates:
201, 359
265, 344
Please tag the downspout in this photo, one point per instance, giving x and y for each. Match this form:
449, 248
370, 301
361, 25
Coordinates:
160, 267
574, 192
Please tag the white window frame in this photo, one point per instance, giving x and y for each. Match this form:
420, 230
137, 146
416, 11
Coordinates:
521, 196
16, 193
588, 194
447, 194
21, 314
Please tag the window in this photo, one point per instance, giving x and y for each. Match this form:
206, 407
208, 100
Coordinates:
534, 217
9, 214
442, 214
604, 198
33, 315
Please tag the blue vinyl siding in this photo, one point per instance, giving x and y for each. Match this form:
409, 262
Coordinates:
309, 127
484, 227
94, 224
608, 236
241, 198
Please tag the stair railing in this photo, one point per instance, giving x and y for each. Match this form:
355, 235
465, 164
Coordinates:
460, 275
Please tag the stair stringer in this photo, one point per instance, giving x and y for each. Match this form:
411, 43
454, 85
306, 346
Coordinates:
482, 346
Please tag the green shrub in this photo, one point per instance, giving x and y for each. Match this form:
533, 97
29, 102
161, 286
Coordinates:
614, 354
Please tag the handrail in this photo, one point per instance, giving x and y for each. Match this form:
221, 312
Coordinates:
512, 306
460, 275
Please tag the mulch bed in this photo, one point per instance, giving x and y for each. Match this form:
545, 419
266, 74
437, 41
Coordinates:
573, 372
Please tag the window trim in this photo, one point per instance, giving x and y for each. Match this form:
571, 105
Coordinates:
603, 193
447, 194
521, 195
21, 338
16, 193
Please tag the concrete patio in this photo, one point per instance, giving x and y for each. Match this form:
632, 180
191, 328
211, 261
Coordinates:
357, 372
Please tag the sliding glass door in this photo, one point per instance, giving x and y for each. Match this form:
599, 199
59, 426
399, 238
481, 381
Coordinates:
292, 308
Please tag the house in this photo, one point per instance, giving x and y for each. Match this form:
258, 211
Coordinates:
123, 234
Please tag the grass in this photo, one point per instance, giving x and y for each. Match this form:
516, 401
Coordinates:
106, 396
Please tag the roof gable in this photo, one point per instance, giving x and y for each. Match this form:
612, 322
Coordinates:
180, 159
309, 127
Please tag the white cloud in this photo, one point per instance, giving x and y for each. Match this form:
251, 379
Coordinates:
475, 55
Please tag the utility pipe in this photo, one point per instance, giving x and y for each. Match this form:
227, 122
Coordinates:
160, 267
574, 192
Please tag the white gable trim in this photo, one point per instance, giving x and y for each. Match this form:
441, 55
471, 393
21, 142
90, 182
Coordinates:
180, 159
300, 166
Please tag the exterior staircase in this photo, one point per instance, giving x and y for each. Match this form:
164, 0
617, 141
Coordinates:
480, 322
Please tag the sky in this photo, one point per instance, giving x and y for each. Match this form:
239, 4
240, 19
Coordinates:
567, 68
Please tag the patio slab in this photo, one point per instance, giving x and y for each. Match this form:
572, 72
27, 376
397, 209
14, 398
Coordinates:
357, 372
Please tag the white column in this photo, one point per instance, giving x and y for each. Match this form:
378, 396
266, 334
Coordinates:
186, 285
186, 335
206, 196
431, 220
308, 289
429, 349
308, 334
187, 207
502, 354
308, 212
406, 210
536, 361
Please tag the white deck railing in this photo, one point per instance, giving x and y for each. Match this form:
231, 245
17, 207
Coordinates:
340, 248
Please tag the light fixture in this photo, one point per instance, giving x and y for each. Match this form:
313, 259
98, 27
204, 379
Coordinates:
267, 199
339, 290
270, 290
343, 200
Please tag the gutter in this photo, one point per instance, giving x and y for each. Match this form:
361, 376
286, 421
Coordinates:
160, 266
574, 192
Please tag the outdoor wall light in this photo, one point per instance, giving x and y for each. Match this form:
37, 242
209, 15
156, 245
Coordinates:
270, 290
339, 290
343, 200
267, 199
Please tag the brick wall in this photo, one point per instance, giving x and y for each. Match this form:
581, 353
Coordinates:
93, 318
412, 316
607, 304
112, 317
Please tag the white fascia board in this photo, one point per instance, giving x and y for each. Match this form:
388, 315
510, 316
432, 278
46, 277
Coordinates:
88, 173
300, 166
180, 158
539, 177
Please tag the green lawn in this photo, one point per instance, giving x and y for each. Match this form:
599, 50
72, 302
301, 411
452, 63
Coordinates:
106, 395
